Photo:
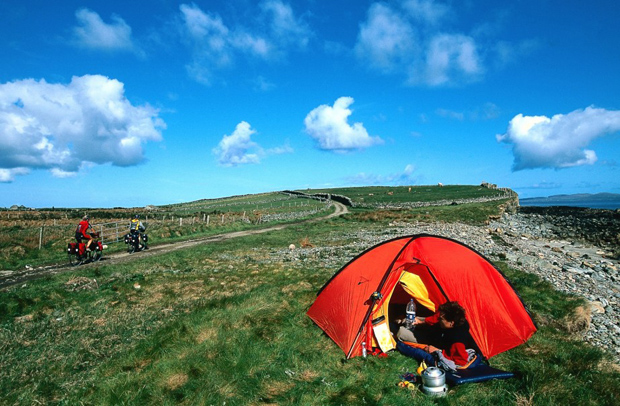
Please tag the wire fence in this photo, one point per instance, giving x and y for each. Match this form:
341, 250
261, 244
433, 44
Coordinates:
30, 232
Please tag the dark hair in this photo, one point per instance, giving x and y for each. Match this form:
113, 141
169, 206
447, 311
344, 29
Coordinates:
453, 311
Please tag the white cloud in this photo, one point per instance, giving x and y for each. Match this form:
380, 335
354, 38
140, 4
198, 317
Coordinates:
251, 44
201, 25
426, 11
545, 185
455, 115
216, 46
261, 84
407, 41
238, 148
59, 173
450, 58
285, 27
330, 128
506, 52
92, 32
385, 40
284, 149
8, 175
560, 141
406, 177
62, 127
210, 40
488, 111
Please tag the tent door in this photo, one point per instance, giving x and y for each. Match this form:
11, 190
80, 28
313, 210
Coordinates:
405, 286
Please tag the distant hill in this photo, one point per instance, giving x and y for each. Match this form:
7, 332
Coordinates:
598, 200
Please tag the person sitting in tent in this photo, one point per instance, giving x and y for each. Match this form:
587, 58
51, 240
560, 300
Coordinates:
442, 339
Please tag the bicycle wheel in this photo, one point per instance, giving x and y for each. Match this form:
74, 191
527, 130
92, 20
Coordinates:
76, 259
96, 256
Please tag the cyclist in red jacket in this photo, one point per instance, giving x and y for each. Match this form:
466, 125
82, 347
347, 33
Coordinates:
81, 232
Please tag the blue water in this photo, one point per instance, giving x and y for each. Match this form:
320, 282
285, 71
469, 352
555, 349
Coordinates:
611, 205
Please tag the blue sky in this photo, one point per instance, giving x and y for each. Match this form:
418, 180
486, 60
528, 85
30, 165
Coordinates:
120, 103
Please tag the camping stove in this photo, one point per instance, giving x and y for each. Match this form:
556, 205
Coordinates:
434, 382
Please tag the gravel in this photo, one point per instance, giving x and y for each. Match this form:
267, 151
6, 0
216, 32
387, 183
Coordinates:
565, 256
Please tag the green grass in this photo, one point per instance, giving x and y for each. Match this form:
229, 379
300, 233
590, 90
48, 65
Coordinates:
225, 323
406, 194
471, 213
20, 231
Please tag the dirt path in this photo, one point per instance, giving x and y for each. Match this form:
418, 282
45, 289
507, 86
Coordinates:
8, 278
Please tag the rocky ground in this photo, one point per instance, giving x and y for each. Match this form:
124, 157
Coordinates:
576, 250
576, 255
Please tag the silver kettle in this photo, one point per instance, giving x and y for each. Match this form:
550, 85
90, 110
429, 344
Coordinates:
434, 382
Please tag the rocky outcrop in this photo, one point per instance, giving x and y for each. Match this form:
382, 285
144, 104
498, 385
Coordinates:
591, 226
536, 243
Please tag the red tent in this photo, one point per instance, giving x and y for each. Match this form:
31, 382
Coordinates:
443, 270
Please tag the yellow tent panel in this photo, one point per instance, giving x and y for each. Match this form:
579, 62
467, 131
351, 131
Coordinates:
413, 285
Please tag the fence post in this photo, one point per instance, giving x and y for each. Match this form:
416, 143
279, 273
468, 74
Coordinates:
208, 219
180, 221
40, 237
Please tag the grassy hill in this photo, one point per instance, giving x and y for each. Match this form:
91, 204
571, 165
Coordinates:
394, 195
224, 323
39, 237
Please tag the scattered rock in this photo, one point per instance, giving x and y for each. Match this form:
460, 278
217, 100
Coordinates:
24, 319
597, 307
568, 253
81, 283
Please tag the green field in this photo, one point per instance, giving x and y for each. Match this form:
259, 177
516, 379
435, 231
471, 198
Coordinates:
224, 324
406, 194
39, 237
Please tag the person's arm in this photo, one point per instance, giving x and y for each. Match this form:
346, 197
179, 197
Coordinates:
431, 349
432, 320
419, 320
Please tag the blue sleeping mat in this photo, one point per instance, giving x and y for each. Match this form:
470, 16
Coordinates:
478, 373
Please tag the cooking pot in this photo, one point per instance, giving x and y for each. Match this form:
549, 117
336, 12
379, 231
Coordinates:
433, 377
438, 391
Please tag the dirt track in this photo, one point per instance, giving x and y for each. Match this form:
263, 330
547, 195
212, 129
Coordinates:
8, 278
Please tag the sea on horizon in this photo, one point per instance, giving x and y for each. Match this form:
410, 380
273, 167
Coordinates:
609, 205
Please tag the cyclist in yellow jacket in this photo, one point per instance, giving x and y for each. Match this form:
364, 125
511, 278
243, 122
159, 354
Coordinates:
136, 227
